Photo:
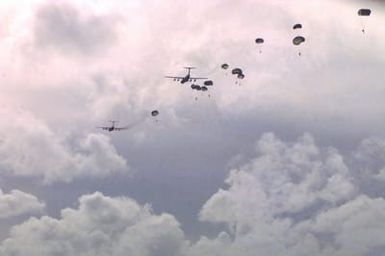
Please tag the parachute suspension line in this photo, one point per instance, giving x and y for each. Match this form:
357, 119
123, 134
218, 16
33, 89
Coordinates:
362, 25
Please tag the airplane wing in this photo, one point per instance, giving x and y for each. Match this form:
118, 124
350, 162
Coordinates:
103, 127
121, 128
174, 77
197, 78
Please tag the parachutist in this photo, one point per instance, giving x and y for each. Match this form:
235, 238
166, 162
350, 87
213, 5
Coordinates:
364, 13
259, 42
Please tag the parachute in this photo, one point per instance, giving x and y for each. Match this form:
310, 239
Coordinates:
155, 113
241, 76
298, 40
225, 66
297, 26
364, 12
208, 83
259, 41
236, 71
204, 88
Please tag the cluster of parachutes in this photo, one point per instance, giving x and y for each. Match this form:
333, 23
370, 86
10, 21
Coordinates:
204, 87
236, 71
297, 40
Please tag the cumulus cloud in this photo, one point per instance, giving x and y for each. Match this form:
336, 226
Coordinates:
101, 226
28, 147
282, 180
291, 198
17, 202
297, 199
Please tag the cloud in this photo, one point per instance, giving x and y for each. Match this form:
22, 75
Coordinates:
18, 203
290, 198
63, 27
282, 180
101, 226
30, 148
297, 199
92, 68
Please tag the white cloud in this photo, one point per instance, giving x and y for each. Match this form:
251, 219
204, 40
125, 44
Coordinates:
29, 148
291, 198
100, 226
296, 199
17, 202
282, 179
356, 226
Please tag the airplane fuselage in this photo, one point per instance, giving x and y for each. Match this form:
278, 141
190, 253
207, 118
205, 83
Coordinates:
185, 79
112, 128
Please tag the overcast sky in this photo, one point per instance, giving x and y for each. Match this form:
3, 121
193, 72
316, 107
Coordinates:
288, 161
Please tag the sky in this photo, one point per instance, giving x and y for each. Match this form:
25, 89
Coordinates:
288, 161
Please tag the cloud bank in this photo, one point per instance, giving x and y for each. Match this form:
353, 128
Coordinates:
290, 198
18, 203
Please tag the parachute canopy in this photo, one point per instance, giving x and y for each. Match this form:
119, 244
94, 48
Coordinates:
298, 40
297, 26
155, 113
196, 87
259, 41
364, 12
208, 83
236, 71
241, 76
225, 66
204, 88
